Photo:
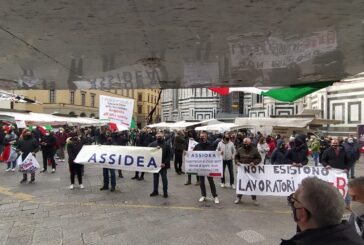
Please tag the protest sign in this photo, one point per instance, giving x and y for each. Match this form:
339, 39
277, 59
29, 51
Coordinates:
283, 180
204, 163
129, 158
29, 165
116, 110
191, 144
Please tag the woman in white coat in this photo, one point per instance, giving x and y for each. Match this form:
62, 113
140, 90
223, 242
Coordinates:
263, 149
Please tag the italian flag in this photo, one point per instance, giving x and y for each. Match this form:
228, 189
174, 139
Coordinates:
42, 129
285, 94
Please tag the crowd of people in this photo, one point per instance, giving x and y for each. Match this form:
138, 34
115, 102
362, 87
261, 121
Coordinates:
237, 148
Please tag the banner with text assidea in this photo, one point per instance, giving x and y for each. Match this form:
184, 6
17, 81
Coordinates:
116, 110
203, 163
130, 158
283, 180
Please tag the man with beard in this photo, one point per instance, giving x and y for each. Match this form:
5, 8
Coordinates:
28, 144
166, 158
336, 157
318, 208
249, 155
204, 145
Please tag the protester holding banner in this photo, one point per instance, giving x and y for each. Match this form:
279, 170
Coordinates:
74, 146
279, 154
318, 209
247, 154
336, 157
166, 158
191, 145
204, 145
297, 156
48, 143
28, 144
227, 149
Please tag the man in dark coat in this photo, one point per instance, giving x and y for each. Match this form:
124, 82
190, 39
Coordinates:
48, 143
247, 154
166, 158
297, 156
318, 208
27, 144
179, 146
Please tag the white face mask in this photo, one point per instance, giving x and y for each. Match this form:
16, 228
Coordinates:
350, 140
47, 134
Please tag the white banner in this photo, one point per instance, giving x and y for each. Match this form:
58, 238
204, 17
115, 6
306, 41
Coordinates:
191, 144
29, 165
203, 163
283, 180
116, 110
130, 158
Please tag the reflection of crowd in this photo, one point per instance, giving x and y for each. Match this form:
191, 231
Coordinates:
236, 148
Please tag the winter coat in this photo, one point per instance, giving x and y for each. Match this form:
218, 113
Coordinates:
179, 143
340, 162
297, 155
27, 145
204, 146
166, 151
341, 234
50, 142
73, 148
279, 157
352, 151
263, 150
227, 149
248, 155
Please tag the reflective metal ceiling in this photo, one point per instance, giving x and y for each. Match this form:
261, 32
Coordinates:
68, 44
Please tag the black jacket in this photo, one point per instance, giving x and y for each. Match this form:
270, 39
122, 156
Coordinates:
73, 148
329, 158
279, 157
341, 234
166, 151
204, 147
50, 142
27, 145
297, 155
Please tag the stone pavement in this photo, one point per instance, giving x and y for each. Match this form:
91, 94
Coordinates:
47, 212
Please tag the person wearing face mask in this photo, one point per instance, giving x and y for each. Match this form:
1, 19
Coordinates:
48, 143
279, 154
352, 150
166, 158
263, 149
356, 192
28, 144
74, 146
227, 149
297, 156
61, 137
318, 208
336, 157
247, 154
204, 145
